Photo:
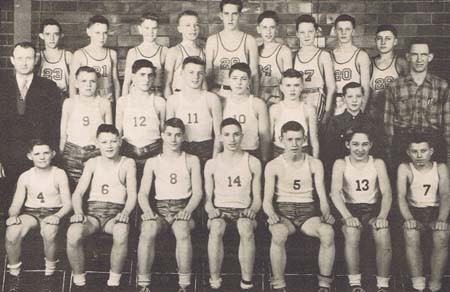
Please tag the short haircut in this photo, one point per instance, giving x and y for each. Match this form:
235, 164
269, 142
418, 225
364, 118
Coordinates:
86, 69
387, 27
193, 60
25, 45
229, 122
352, 85
305, 18
148, 16
107, 128
238, 3
175, 123
244, 67
420, 137
421, 41
38, 142
291, 73
142, 63
345, 17
268, 14
98, 19
50, 21
359, 129
292, 126
186, 13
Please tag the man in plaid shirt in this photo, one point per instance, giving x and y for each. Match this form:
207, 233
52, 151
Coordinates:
415, 103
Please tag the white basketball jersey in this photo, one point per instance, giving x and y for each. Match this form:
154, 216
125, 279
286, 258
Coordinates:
423, 191
346, 72
312, 74
287, 114
104, 69
360, 185
42, 192
106, 185
177, 82
382, 77
156, 60
172, 180
270, 74
57, 71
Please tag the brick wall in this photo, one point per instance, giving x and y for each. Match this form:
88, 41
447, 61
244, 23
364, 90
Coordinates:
424, 17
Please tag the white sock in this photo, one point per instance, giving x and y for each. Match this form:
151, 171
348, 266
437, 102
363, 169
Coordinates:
434, 286
354, 280
114, 279
382, 282
144, 280
215, 283
184, 279
14, 270
50, 267
418, 283
79, 280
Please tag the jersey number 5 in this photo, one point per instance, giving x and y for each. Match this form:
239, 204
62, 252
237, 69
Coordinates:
296, 185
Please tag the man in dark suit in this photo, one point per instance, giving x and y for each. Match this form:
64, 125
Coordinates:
28, 109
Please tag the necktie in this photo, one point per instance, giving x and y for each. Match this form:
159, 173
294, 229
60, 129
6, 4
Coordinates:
21, 100
23, 89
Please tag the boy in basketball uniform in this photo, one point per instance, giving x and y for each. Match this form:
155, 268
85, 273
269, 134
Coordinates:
99, 57
41, 200
178, 185
112, 198
424, 201
317, 68
200, 111
351, 64
357, 182
233, 196
80, 119
292, 109
150, 50
290, 179
140, 116
274, 58
240, 48
189, 28
54, 61
249, 111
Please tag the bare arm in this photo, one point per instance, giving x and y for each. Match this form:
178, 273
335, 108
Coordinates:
196, 180
313, 130
119, 114
336, 188
285, 58
115, 75
131, 57
106, 105
319, 182
67, 108
64, 190
146, 184
210, 52
255, 168
216, 111
19, 197
169, 70
252, 53
326, 64
402, 189
444, 193
170, 106
209, 187
74, 65
263, 129
160, 105
82, 186
364, 65
273, 113
385, 189
269, 188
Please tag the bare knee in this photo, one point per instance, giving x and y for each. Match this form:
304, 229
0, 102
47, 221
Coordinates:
181, 230
412, 238
352, 236
149, 230
75, 234
326, 234
383, 239
216, 229
440, 239
245, 228
14, 234
49, 232
120, 233
279, 234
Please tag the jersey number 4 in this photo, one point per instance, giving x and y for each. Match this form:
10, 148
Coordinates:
236, 181
362, 185
41, 197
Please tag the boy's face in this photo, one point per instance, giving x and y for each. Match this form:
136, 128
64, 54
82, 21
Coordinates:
291, 87
173, 138
41, 155
23, 60
359, 146
239, 81
353, 99
344, 31
419, 57
189, 27
420, 153
109, 144
51, 36
149, 29
385, 41
293, 141
306, 33
143, 79
87, 83
193, 75
98, 33
231, 137
268, 29
230, 16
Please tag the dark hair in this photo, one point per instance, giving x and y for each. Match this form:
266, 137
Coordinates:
291, 73
186, 13
38, 142
352, 85
98, 19
25, 45
86, 69
419, 40
148, 16
107, 128
229, 122
345, 17
420, 137
142, 63
360, 129
387, 27
292, 126
244, 67
233, 2
305, 18
50, 21
268, 14
193, 60
175, 123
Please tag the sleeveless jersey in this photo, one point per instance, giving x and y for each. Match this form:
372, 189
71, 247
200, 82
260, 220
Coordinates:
106, 185
156, 60
57, 71
290, 114
360, 185
225, 58
245, 114
104, 69
232, 184
295, 184
346, 72
270, 74
312, 74
83, 122
172, 180
382, 77
42, 193
423, 191
177, 82
140, 121
196, 116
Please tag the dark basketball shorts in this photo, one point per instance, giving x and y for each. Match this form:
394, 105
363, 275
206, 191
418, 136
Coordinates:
168, 209
364, 212
203, 150
296, 213
141, 154
425, 217
39, 213
74, 157
103, 211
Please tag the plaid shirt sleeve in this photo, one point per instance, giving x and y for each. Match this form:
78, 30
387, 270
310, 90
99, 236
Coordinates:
389, 114
446, 114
